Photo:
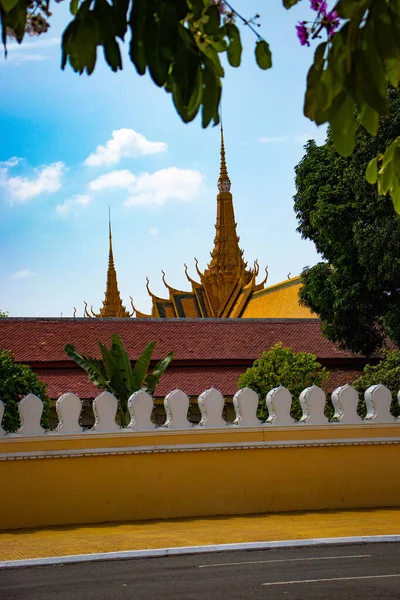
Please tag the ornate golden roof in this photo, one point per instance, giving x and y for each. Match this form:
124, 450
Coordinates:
226, 284
112, 303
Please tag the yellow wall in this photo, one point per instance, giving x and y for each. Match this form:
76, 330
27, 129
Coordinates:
280, 301
57, 481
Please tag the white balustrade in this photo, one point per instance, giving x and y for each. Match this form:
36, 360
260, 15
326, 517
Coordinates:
30, 410
140, 406
105, 407
279, 403
345, 402
68, 408
378, 400
176, 405
245, 402
211, 404
312, 401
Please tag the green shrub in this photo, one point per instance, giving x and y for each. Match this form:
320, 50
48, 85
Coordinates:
16, 381
387, 372
281, 366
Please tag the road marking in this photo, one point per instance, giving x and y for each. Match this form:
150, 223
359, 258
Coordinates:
283, 560
332, 579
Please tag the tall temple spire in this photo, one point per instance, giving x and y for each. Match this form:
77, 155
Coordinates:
112, 303
223, 172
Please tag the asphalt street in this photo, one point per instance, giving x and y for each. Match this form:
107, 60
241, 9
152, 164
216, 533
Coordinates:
365, 572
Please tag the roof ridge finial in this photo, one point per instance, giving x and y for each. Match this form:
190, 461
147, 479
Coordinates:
110, 252
223, 171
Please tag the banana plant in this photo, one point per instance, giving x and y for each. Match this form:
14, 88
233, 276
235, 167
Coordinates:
115, 373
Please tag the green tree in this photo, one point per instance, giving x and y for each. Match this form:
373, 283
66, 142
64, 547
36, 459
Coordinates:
356, 291
16, 381
3, 314
281, 366
179, 43
387, 371
116, 374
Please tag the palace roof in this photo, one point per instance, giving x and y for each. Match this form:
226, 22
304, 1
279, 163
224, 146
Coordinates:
208, 352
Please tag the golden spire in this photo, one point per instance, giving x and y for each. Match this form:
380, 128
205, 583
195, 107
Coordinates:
223, 172
112, 303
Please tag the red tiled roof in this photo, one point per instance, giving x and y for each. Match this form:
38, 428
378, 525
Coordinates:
192, 380
43, 340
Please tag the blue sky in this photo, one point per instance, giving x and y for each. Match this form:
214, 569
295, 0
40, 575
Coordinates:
72, 145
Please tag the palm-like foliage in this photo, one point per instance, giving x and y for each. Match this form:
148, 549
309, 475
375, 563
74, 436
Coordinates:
116, 374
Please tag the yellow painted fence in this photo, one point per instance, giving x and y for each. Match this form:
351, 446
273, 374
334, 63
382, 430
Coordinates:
72, 476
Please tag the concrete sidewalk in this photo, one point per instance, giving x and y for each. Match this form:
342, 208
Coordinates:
25, 544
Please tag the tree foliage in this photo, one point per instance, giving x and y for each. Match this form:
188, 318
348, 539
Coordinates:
179, 44
356, 291
16, 381
3, 314
116, 374
281, 366
387, 371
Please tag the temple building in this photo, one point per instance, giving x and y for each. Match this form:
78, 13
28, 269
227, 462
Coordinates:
227, 288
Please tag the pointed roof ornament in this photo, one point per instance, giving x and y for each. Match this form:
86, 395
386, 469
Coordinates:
112, 303
224, 184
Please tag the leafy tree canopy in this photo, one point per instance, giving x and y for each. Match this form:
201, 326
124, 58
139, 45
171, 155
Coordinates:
387, 371
179, 43
16, 381
116, 374
3, 314
356, 291
281, 366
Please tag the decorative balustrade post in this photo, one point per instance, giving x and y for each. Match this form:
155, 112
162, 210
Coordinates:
279, 403
211, 404
30, 410
68, 408
245, 402
345, 402
140, 406
105, 407
312, 401
176, 405
2, 408
378, 400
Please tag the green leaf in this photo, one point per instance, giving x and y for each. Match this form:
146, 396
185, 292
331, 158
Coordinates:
235, 45
344, 124
73, 7
263, 55
136, 47
395, 194
370, 119
153, 378
371, 172
8, 5
211, 96
213, 21
92, 366
112, 55
123, 363
290, 3
141, 365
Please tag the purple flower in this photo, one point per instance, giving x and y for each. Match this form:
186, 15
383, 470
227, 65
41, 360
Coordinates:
319, 6
302, 34
331, 22
221, 6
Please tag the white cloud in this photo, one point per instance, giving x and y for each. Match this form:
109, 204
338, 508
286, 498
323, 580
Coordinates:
164, 185
69, 205
22, 274
115, 179
20, 189
152, 189
12, 162
124, 143
273, 140
17, 53
154, 231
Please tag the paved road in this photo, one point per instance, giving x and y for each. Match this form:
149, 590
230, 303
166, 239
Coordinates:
362, 572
